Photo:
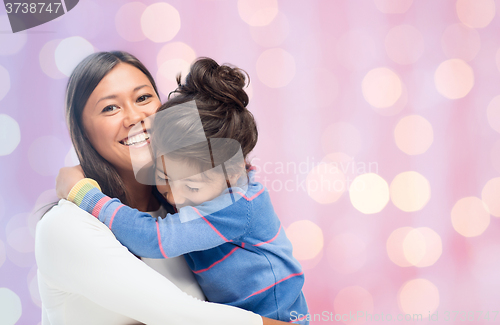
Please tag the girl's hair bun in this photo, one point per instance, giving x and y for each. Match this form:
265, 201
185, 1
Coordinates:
212, 81
221, 103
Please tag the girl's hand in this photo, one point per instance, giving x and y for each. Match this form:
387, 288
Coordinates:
67, 178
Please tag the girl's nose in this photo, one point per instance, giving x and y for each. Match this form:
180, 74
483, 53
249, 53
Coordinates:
178, 199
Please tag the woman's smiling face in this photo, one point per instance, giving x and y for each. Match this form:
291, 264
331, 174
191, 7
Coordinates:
122, 99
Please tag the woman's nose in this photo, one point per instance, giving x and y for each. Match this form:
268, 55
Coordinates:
133, 115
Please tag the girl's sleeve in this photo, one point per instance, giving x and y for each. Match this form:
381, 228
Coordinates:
80, 255
192, 229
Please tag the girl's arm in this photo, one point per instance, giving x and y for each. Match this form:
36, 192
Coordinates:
192, 229
80, 255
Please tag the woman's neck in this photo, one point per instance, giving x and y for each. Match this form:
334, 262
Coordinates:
140, 196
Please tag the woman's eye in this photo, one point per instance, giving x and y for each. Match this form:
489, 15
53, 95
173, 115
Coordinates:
109, 108
192, 189
144, 97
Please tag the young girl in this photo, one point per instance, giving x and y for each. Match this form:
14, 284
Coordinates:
226, 226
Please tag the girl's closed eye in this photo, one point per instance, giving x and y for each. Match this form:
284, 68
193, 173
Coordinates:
192, 189
161, 178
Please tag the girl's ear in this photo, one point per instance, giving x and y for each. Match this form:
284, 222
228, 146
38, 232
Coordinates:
233, 179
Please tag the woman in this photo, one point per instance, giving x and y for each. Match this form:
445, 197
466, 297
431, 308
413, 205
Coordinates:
85, 275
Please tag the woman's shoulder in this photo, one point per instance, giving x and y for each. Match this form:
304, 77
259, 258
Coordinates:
64, 225
66, 215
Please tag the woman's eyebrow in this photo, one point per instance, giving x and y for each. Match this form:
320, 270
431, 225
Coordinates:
104, 98
140, 87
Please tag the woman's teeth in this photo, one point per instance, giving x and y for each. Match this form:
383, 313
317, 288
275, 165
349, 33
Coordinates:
136, 139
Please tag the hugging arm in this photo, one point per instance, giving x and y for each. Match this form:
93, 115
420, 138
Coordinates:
192, 229
80, 255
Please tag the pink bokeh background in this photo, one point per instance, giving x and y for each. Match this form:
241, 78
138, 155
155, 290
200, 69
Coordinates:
379, 140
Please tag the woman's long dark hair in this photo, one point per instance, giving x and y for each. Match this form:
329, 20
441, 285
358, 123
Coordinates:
81, 84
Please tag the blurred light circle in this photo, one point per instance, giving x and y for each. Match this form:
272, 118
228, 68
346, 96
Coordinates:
325, 183
369, 193
470, 217
275, 68
71, 159
273, 34
21, 240
413, 135
10, 43
10, 307
167, 73
349, 300
312, 263
393, 6
410, 191
381, 87
160, 22
460, 42
71, 51
47, 60
3, 254
454, 78
398, 106
356, 49
495, 156
21, 259
433, 247
44, 202
46, 155
306, 238
414, 247
493, 113
491, 196
341, 137
394, 246
34, 291
347, 253
258, 12
175, 51
249, 91
418, 296
476, 13
4, 82
404, 44
10, 134
128, 21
